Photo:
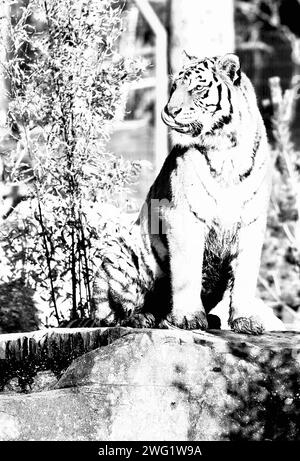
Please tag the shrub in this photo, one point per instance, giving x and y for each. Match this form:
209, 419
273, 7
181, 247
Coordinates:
65, 80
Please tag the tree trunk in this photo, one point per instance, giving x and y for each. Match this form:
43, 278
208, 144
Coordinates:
201, 28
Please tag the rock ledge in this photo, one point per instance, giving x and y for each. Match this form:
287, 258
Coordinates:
130, 384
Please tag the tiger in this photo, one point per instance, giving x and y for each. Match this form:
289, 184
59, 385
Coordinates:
196, 243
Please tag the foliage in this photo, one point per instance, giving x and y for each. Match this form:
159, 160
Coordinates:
65, 81
255, 16
279, 281
18, 311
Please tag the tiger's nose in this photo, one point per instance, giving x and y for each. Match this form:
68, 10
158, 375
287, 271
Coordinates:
174, 111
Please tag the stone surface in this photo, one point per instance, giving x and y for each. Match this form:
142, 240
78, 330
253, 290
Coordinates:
168, 385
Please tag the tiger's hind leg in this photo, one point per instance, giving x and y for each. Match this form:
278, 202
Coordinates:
156, 306
117, 293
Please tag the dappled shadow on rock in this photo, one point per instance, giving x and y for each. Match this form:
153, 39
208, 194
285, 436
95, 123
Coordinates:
265, 388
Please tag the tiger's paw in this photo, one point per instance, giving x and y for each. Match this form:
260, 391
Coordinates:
247, 325
166, 324
197, 321
140, 320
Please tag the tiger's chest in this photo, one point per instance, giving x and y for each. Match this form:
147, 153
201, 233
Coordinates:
211, 188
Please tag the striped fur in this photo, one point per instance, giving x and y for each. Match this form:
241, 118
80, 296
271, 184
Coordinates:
209, 205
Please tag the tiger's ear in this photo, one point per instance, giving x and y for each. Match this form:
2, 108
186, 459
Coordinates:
187, 58
230, 64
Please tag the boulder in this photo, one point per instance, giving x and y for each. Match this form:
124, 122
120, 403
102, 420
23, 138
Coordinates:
171, 385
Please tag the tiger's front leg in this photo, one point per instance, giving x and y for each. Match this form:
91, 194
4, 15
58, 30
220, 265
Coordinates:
242, 317
186, 237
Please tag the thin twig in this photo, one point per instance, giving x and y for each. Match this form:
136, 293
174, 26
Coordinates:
48, 259
267, 287
86, 264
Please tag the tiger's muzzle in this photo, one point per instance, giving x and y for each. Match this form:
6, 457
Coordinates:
191, 128
170, 121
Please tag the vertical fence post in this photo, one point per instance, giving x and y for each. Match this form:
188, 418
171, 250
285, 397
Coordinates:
161, 87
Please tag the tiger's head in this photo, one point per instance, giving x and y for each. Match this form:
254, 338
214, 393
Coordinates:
201, 95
